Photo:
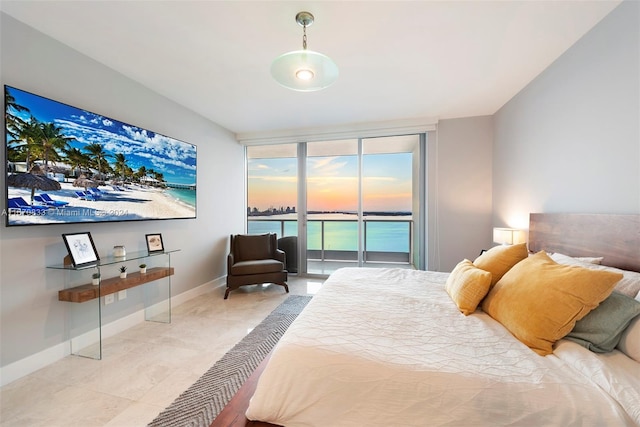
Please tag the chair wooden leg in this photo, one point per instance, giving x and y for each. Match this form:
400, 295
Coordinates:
226, 293
286, 287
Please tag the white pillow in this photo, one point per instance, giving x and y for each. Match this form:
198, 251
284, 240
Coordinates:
629, 285
629, 342
591, 259
569, 260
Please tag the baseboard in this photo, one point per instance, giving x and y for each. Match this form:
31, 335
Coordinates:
32, 363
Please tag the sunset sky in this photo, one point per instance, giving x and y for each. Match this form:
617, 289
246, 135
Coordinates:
333, 183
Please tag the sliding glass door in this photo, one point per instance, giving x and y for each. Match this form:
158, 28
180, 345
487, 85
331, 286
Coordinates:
344, 203
333, 201
387, 194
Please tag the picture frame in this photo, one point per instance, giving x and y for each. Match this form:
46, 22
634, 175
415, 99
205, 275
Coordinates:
81, 248
154, 242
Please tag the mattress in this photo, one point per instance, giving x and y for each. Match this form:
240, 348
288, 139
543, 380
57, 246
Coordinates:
388, 347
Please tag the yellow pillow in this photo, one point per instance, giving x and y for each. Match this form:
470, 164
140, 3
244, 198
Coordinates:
499, 259
467, 285
539, 301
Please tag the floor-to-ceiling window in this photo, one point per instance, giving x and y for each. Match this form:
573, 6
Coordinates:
332, 186
349, 202
387, 194
272, 181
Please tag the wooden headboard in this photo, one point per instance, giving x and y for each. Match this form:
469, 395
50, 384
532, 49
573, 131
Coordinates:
614, 237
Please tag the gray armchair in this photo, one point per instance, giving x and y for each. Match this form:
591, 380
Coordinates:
253, 260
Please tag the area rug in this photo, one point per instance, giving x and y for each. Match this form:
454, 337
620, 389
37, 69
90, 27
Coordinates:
205, 399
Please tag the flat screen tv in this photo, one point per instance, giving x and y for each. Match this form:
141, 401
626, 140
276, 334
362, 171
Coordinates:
68, 165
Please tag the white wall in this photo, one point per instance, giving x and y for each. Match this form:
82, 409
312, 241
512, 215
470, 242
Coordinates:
460, 183
32, 319
570, 141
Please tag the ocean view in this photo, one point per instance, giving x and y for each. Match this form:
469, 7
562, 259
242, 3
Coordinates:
384, 233
184, 195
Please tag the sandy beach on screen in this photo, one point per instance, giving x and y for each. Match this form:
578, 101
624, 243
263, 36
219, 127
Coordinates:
133, 202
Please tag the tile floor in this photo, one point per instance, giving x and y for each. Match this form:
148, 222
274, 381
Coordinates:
143, 368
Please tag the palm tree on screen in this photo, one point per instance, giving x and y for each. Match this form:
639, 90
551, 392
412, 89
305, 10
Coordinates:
13, 122
24, 143
77, 159
141, 173
52, 141
98, 154
159, 176
121, 165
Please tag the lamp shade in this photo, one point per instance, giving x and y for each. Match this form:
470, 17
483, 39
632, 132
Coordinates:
304, 70
508, 236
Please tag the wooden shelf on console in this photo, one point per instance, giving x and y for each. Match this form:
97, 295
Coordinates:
112, 285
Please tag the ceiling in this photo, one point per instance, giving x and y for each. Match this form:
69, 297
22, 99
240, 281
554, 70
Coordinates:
398, 60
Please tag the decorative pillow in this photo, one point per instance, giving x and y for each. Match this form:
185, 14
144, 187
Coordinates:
499, 259
629, 285
630, 340
601, 329
467, 285
539, 301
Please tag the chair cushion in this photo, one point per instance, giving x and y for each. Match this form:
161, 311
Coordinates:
252, 247
256, 267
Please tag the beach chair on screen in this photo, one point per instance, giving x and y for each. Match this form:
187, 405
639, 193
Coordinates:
90, 196
23, 206
83, 195
94, 192
47, 200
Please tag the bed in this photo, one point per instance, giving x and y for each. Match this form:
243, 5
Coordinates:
392, 347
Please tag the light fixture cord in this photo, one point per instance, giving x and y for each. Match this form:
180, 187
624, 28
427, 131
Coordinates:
304, 37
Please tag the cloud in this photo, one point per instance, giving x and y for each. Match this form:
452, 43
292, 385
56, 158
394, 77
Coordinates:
274, 178
166, 155
380, 178
327, 165
161, 163
259, 167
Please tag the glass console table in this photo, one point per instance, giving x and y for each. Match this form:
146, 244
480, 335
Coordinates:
85, 315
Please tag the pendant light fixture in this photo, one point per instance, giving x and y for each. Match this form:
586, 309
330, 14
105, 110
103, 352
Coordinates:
304, 70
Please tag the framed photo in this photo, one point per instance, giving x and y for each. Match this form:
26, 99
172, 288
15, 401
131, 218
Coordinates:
154, 243
81, 249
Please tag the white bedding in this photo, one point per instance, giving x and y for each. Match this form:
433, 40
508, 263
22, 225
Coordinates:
614, 372
387, 347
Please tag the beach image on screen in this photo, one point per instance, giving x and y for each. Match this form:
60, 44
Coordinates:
68, 165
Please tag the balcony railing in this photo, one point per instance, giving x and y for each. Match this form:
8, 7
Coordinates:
384, 240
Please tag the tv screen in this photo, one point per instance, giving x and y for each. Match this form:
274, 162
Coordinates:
69, 165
